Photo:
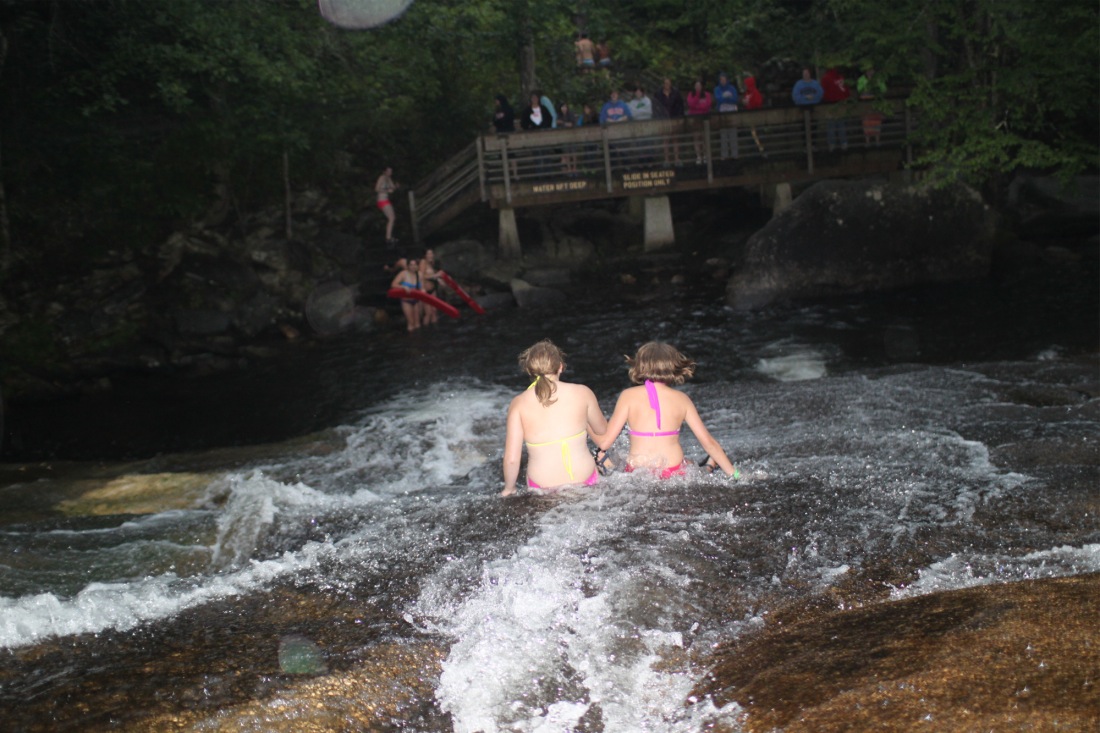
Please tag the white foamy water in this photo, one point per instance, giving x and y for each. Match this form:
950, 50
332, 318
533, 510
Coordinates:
966, 571
580, 616
254, 512
599, 607
123, 606
792, 363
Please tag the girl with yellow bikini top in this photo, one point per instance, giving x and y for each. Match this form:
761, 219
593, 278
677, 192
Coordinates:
552, 419
655, 412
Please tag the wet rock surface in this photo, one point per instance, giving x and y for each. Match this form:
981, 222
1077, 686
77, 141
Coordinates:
1020, 656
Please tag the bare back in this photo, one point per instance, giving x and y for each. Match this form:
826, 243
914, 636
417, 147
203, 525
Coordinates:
654, 445
555, 435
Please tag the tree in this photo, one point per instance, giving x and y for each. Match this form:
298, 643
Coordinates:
998, 85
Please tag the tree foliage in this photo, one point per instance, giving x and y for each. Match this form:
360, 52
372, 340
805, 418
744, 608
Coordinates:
124, 117
998, 85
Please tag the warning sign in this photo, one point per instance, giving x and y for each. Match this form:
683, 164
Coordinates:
649, 179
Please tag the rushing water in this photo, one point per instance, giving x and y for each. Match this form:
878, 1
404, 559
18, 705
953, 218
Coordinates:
920, 441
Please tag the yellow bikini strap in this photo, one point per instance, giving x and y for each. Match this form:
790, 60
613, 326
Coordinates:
567, 460
532, 384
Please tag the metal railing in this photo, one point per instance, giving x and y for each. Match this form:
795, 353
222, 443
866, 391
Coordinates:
450, 188
637, 157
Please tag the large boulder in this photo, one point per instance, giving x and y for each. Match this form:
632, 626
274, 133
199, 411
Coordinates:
463, 258
856, 236
1047, 208
533, 296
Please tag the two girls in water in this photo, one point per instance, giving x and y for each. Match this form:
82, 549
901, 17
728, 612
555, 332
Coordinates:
554, 419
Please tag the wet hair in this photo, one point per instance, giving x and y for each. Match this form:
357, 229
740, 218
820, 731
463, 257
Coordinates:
541, 360
659, 362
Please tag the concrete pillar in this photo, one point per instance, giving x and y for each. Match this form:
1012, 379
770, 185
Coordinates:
509, 234
658, 223
782, 198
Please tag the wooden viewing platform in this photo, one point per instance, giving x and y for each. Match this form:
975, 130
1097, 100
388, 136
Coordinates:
640, 159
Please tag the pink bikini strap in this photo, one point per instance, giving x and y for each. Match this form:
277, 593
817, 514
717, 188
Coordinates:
651, 391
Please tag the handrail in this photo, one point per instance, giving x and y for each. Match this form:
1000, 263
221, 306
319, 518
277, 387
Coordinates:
592, 161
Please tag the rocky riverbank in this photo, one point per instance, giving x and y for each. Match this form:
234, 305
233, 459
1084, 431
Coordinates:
210, 299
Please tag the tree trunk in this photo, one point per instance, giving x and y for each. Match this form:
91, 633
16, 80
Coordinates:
5, 227
286, 194
528, 79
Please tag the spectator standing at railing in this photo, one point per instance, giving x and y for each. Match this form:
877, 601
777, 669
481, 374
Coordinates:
834, 91
669, 105
568, 119
807, 91
751, 100
641, 110
545, 101
725, 99
588, 116
504, 117
615, 110
699, 102
641, 106
871, 87
536, 116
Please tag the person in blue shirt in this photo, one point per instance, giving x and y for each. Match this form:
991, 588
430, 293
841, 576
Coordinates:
725, 101
615, 110
807, 90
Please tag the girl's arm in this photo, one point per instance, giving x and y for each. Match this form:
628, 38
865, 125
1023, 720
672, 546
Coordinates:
597, 423
710, 445
397, 280
513, 450
615, 425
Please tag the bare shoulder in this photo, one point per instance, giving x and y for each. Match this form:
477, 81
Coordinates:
516, 402
580, 390
678, 396
586, 390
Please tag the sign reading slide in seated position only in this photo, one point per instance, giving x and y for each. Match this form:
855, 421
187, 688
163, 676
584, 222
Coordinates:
648, 179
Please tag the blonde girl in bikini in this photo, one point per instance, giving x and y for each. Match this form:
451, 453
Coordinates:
655, 412
553, 419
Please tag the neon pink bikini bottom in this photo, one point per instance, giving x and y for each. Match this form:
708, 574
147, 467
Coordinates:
677, 470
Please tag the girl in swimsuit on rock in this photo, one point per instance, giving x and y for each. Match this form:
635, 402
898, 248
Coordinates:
383, 187
553, 419
409, 279
655, 412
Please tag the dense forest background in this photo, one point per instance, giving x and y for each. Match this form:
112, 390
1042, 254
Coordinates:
123, 119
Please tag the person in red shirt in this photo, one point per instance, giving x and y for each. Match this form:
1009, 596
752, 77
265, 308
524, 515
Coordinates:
750, 100
836, 129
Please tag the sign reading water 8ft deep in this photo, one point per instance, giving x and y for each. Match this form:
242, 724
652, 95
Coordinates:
559, 186
648, 179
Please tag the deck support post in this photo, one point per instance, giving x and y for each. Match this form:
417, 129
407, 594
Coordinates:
657, 226
781, 198
509, 234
